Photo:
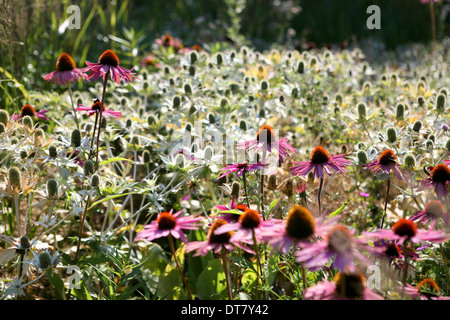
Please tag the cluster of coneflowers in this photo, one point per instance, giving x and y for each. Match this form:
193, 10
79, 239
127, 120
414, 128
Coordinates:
245, 208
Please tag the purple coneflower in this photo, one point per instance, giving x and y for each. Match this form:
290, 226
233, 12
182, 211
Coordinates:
168, 223
231, 217
395, 254
28, 110
298, 227
95, 108
248, 228
267, 140
387, 162
339, 243
346, 286
216, 242
108, 63
439, 179
320, 161
65, 71
240, 168
427, 289
404, 230
432, 211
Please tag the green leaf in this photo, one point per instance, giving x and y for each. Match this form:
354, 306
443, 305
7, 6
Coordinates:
111, 197
272, 205
115, 160
211, 283
338, 211
55, 281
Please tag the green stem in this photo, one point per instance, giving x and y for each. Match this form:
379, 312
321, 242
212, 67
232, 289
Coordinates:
245, 188
227, 273
101, 117
385, 203
172, 248
319, 196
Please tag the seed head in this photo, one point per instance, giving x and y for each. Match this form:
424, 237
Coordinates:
52, 151
410, 161
235, 189
75, 138
15, 178
400, 111
391, 134
25, 242
44, 260
52, 188
89, 167
4, 117
109, 58
95, 180
362, 111
27, 121
417, 126
65, 63
440, 103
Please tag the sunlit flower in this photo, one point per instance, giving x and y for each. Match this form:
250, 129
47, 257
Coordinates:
404, 230
169, 223
340, 245
28, 110
108, 62
249, 225
216, 242
427, 289
65, 71
299, 227
439, 179
387, 162
320, 161
266, 139
346, 286
433, 210
95, 108
240, 168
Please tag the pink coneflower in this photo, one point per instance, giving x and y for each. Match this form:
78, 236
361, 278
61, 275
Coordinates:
28, 110
298, 227
241, 167
266, 139
320, 161
346, 286
387, 162
231, 217
404, 230
427, 289
339, 244
216, 242
95, 108
168, 41
169, 223
395, 254
65, 71
108, 62
433, 210
439, 179
248, 228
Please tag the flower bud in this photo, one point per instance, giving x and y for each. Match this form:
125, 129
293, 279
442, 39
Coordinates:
151, 120
89, 167
95, 180
243, 125
188, 127
25, 242
429, 145
75, 138
264, 85
27, 121
301, 67
420, 101
362, 111
440, 103
417, 126
235, 189
362, 157
52, 188
52, 151
219, 58
23, 154
223, 102
15, 178
176, 102
447, 145
192, 71
2, 128
400, 111
211, 118
4, 117
88, 127
135, 141
194, 56
361, 146
14, 140
187, 89
44, 260
391, 134
410, 161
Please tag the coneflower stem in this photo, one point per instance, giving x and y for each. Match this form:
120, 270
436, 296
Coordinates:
227, 273
73, 107
405, 274
172, 248
447, 273
385, 203
16, 205
319, 196
245, 188
80, 230
93, 134
259, 273
304, 278
100, 120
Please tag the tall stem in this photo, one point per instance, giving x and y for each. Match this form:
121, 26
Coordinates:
93, 135
16, 205
172, 248
385, 203
101, 117
71, 102
227, 273
245, 188
80, 230
259, 272
319, 196
405, 274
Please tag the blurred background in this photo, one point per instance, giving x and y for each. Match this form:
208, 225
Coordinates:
33, 33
